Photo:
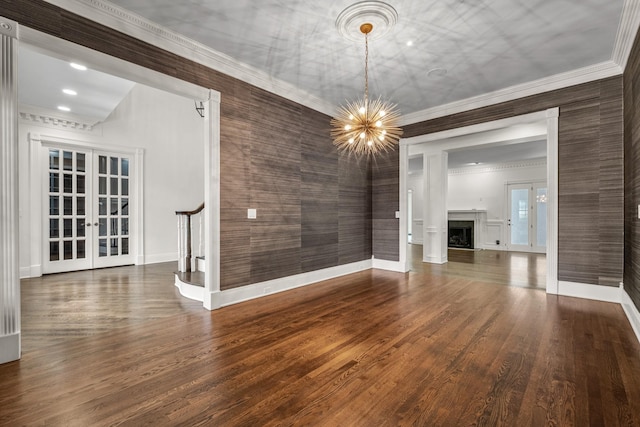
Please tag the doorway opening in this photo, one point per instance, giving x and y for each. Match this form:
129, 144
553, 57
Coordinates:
437, 150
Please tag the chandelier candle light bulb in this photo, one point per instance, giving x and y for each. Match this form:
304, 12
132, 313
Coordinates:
365, 126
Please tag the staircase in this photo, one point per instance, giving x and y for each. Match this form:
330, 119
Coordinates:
190, 283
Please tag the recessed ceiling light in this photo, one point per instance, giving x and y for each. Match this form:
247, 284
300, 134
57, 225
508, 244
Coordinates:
410, 43
437, 72
63, 108
473, 163
70, 92
78, 66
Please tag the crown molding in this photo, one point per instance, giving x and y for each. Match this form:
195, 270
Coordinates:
28, 113
127, 22
627, 30
558, 81
498, 167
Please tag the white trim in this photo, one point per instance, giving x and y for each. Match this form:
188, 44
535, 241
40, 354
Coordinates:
587, 291
158, 258
552, 199
127, 22
403, 258
10, 347
43, 117
212, 202
498, 167
559, 81
188, 290
631, 311
383, 264
627, 30
257, 290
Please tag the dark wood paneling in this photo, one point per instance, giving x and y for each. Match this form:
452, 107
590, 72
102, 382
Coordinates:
276, 156
385, 203
590, 153
632, 174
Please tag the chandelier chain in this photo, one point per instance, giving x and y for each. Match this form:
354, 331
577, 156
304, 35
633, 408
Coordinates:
366, 69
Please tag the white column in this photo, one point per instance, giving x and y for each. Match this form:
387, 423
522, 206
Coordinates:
212, 296
9, 250
552, 200
435, 207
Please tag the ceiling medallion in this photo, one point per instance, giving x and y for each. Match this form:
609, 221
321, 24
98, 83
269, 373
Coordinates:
365, 126
381, 15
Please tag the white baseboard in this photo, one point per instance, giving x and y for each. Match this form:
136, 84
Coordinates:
158, 258
594, 292
631, 311
256, 290
31, 271
383, 264
25, 272
436, 260
188, 290
9, 348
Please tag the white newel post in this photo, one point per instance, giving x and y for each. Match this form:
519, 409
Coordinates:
9, 250
435, 207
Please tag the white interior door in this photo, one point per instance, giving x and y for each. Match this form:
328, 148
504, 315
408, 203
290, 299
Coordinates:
527, 217
88, 215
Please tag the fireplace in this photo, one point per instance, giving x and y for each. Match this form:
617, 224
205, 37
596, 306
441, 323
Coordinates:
461, 234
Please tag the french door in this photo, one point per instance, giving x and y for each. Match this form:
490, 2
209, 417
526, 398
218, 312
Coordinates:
527, 217
88, 216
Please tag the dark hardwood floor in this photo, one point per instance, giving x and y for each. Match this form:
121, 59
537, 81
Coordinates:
121, 347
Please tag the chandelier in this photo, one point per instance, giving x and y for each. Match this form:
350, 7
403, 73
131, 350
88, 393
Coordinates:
366, 126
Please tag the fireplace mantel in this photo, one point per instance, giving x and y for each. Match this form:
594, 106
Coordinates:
478, 216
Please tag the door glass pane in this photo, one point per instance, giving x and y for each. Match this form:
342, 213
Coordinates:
125, 187
80, 162
102, 206
125, 167
54, 205
114, 226
68, 183
102, 185
54, 228
102, 164
125, 206
114, 246
102, 247
520, 216
54, 159
68, 228
80, 227
114, 206
80, 208
68, 249
54, 251
114, 186
68, 205
80, 184
541, 211
114, 166
102, 231
125, 226
54, 183
68, 160
81, 251
125, 246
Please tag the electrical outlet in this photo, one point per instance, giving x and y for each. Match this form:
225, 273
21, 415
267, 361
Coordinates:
252, 213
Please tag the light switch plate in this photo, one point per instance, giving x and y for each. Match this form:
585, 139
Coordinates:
397, 214
252, 214
638, 211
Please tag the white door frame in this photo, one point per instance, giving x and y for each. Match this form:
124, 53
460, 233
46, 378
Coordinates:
440, 142
38, 143
66, 50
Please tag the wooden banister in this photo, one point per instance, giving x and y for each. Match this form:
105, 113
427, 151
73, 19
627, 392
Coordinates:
188, 214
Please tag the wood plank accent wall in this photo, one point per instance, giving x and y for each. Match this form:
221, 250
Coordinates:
632, 174
313, 205
590, 156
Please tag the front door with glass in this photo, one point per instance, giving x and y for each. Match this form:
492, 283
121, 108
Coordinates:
527, 217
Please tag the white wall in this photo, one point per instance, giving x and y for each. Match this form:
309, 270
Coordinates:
483, 188
171, 133
478, 187
415, 183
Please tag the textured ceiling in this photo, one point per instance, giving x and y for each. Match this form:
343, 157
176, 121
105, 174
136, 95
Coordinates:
484, 45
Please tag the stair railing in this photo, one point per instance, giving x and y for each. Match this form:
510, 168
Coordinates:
185, 251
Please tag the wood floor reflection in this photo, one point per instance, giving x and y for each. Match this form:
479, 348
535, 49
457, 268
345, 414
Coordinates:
377, 348
520, 269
